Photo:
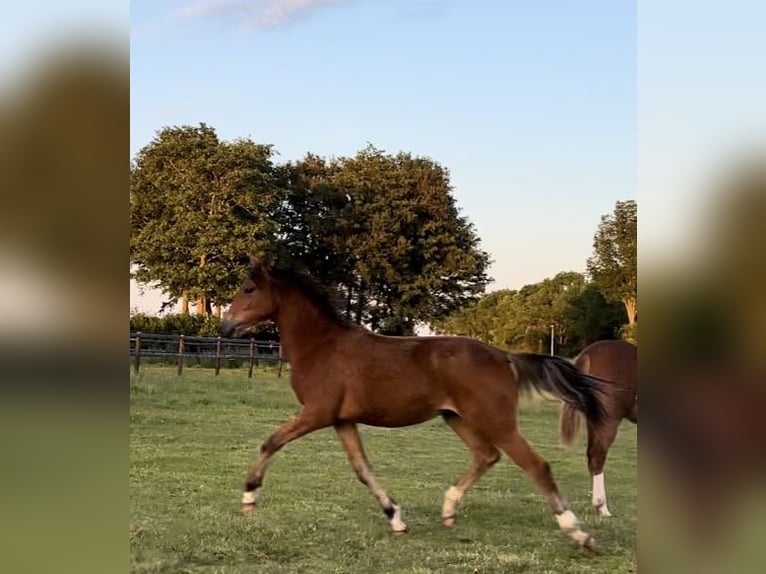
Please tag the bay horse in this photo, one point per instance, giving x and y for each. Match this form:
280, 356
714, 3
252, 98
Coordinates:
344, 375
615, 361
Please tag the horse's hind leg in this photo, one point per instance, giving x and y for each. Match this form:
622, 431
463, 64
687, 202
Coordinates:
352, 443
514, 445
484, 456
600, 438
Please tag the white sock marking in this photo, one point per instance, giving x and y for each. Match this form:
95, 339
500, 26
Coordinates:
396, 520
248, 497
451, 500
569, 524
599, 494
568, 521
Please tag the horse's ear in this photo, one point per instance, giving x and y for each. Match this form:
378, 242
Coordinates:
260, 263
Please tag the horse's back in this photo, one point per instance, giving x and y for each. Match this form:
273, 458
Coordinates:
405, 380
399, 381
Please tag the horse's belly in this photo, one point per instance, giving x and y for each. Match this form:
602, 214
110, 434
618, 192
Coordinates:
389, 412
397, 419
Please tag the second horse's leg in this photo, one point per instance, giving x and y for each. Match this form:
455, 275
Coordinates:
600, 438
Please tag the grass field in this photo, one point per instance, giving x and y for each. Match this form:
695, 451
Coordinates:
192, 439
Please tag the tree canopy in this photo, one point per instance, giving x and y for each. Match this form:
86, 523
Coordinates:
386, 230
613, 265
567, 305
198, 207
383, 228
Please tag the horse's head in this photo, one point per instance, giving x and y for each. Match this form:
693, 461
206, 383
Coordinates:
256, 301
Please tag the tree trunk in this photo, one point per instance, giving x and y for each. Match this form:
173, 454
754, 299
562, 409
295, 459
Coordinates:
217, 311
630, 308
185, 303
202, 303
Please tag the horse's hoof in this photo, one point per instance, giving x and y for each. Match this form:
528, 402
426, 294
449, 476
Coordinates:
590, 543
399, 533
247, 508
449, 521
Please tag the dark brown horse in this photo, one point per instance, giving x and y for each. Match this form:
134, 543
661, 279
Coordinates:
344, 375
617, 362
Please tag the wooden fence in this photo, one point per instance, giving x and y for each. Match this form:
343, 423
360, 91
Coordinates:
178, 348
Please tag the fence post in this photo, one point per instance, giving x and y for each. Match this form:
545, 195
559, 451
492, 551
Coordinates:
553, 340
279, 371
217, 356
137, 352
252, 356
181, 349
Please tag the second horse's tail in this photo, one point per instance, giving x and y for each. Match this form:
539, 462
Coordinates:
570, 424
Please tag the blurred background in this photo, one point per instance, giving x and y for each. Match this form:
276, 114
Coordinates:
64, 124
702, 279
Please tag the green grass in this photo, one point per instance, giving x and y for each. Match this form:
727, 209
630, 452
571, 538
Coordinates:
192, 439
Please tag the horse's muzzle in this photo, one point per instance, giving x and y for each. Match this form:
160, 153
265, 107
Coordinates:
228, 329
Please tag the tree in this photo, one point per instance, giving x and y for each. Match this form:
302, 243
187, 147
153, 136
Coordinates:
522, 319
313, 220
613, 264
482, 319
198, 208
386, 230
592, 318
546, 305
383, 228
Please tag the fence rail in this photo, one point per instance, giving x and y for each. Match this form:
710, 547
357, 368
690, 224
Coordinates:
178, 348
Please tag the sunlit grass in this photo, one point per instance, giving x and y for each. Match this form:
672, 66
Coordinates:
193, 439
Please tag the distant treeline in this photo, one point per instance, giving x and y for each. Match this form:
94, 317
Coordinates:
382, 230
568, 307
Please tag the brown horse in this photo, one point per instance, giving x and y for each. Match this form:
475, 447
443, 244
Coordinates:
344, 375
617, 362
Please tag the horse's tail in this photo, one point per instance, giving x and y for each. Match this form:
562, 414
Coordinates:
579, 391
570, 424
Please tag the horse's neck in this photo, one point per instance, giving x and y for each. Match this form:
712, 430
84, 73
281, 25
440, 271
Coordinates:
302, 327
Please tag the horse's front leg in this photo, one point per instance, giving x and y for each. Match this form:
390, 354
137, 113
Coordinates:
300, 425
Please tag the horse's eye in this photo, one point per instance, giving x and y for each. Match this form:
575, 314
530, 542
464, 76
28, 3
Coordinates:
249, 289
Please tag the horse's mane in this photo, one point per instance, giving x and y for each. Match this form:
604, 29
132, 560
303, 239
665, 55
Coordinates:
321, 296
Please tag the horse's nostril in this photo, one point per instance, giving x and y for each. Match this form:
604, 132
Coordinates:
227, 328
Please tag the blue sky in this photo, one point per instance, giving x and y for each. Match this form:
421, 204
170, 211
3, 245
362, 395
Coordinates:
531, 105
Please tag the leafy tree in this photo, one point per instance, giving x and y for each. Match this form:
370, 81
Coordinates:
613, 264
383, 228
546, 305
386, 230
198, 208
480, 319
312, 220
522, 319
592, 318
